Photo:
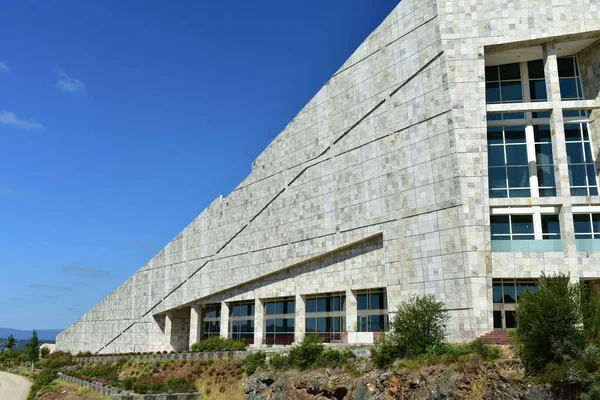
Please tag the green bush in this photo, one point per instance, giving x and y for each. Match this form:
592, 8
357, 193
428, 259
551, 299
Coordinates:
334, 358
305, 354
218, 343
384, 352
254, 361
549, 323
279, 361
418, 325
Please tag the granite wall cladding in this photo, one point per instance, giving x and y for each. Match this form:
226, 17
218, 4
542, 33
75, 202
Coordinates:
393, 145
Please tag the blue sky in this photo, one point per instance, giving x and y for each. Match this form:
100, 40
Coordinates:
120, 121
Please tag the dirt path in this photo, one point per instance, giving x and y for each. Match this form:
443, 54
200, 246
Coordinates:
13, 387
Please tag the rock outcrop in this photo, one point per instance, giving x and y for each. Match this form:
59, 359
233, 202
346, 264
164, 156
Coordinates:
503, 380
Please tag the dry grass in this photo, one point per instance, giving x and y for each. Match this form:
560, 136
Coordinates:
231, 390
60, 390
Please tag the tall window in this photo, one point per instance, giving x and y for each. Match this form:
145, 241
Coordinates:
503, 83
326, 315
279, 321
241, 321
211, 321
537, 82
570, 82
508, 162
371, 310
587, 226
544, 160
582, 172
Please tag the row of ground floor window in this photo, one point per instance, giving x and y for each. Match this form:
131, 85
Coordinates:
325, 314
350, 316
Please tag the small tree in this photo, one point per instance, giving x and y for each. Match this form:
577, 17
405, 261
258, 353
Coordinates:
419, 324
44, 352
551, 323
10, 342
32, 347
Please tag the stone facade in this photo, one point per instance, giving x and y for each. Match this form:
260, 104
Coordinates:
381, 181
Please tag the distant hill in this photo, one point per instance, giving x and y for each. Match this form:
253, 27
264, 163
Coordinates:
43, 334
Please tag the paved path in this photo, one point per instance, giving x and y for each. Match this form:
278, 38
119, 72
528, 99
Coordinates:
13, 387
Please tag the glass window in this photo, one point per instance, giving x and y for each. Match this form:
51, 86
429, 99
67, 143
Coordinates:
325, 315
371, 310
503, 84
211, 320
544, 160
512, 227
582, 172
508, 291
569, 80
280, 306
508, 167
550, 226
587, 226
537, 83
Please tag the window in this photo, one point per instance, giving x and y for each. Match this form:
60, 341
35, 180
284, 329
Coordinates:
582, 172
503, 83
512, 227
544, 160
508, 162
241, 321
506, 294
371, 310
279, 321
570, 82
550, 226
211, 321
537, 82
587, 226
326, 315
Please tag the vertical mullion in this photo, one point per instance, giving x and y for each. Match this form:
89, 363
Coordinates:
537, 223
525, 82
510, 230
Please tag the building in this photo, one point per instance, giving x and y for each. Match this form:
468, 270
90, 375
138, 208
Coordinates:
453, 154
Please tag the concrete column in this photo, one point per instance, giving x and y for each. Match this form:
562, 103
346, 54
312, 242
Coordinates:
299, 319
195, 324
259, 323
559, 147
224, 319
559, 150
168, 331
351, 311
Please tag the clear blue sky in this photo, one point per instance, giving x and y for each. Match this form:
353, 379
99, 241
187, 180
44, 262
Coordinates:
120, 121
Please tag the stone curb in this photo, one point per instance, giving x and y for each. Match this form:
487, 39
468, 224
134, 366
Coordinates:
209, 355
119, 394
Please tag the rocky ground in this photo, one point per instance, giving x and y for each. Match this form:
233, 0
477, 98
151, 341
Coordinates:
469, 380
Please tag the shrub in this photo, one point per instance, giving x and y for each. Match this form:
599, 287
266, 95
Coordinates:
306, 353
419, 324
549, 322
254, 361
279, 361
384, 352
218, 343
334, 358
44, 352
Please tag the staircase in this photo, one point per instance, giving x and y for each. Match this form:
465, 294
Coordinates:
497, 337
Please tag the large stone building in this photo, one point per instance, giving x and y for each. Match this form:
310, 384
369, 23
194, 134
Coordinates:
453, 154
